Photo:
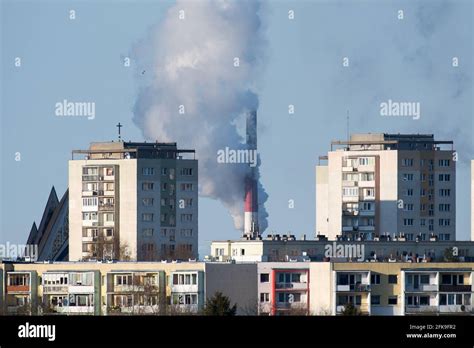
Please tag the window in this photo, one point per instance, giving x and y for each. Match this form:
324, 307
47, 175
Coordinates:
163, 217
148, 232
90, 202
422, 177
186, 217
444, 207
369, 192
264, 278
408, 206
147, 202
392, 300
422, 222
392, 279
407, 162
444, 222
164, 171
148, 171
163, 202
186, 171
445, 192
424, 279
408, 222
148, 186
147, 217
444, 177
264, 297
443, 163
109, 232
407, 177
375, 299
109, 217
242, 252
187, 187
409, 192
374, 278
186, 232
92, 216
350, 191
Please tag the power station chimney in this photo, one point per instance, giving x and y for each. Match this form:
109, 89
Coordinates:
251, 230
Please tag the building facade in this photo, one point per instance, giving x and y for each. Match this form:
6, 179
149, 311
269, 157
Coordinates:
387, 184
136, 201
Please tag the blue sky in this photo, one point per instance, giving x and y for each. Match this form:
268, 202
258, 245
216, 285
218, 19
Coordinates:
406, 60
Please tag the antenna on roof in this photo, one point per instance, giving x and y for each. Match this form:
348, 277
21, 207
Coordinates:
119, 135
347, 119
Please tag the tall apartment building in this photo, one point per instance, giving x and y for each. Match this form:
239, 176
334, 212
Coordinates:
387, 184
136, 201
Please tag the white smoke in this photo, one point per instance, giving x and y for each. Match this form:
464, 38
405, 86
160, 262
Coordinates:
188, 63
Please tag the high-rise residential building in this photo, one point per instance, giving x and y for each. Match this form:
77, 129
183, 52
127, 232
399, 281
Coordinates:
387, 185
136, 201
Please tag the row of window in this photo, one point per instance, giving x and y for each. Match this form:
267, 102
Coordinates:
442, 192
149, 217
441, 177
182, 203
354, 192
165, 171
150, 186
441, 222
408, 162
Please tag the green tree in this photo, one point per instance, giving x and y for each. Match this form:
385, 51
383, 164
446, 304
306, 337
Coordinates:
350, 309
219, 305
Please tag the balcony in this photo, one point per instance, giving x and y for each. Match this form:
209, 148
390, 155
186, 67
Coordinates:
455, 309
75, 309
353, 288
184, 288
421, 309
368, 183
366, 212
350, 212
55, 289
18, 288
421, 288
106, 207
90, 223
367, 228
292, 286
455, 288
363, 309
350, 199
90, 178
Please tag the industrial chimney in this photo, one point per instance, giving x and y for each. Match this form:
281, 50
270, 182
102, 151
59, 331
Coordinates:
251, 230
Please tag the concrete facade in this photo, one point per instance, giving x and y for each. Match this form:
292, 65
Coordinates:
387, 184
134, 201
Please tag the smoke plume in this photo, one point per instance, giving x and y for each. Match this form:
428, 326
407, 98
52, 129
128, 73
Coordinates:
197, 71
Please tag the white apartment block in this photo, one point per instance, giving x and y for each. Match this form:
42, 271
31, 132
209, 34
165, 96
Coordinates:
387, 184
136, 201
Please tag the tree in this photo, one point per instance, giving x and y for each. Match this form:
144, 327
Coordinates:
350, 309
219, 305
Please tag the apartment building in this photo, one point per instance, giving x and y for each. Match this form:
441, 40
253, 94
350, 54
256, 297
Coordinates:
398, 288
136, 201
387, 184
281, 248
283, 288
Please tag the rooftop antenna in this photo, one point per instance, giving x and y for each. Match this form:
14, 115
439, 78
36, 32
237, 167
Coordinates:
347, 119
119, 135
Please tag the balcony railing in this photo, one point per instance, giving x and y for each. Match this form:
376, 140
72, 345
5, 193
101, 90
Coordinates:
421, 287
363, 309
354, 287
421, 309
295, 286
18, 288
455, 309
455, 288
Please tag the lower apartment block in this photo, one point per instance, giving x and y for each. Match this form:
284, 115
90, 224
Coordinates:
257, 288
